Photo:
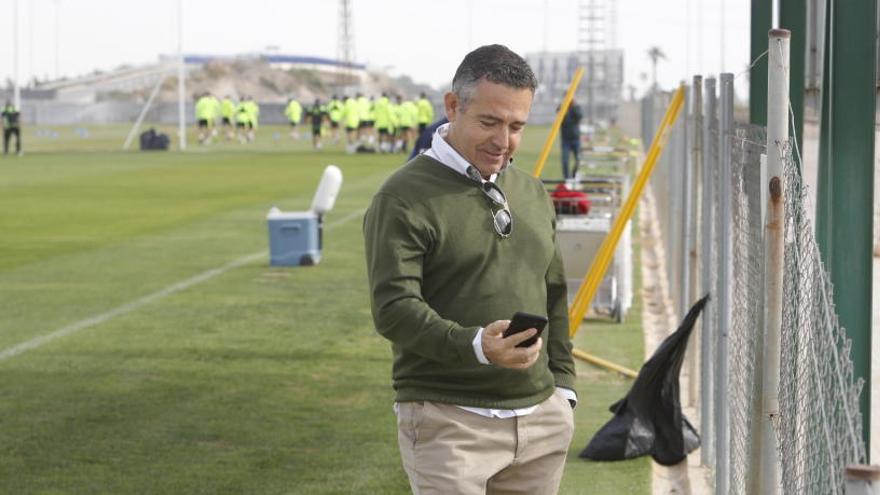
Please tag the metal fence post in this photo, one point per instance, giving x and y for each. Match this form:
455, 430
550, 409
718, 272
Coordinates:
683, 233
777, 137
707, 363
691, 223
694, 185
672, 227
725, 274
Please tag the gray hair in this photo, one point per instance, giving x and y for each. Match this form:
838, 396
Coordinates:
495, 63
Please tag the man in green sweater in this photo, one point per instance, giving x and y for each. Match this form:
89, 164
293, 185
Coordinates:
457, 241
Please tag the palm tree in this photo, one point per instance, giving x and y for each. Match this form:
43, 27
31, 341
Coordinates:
655, 54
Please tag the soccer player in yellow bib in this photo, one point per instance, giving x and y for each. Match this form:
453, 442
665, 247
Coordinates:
334, 111
205, 114
215, 114
253, 111
227, 112
365, 125
242, 121
394, 112
382, 112
409, 114
293, 112
426, 113
352, 117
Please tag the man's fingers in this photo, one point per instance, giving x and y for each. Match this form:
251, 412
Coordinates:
503, 351
496, 327
531, 353
521, 337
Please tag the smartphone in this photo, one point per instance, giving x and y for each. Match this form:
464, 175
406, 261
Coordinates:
524, 321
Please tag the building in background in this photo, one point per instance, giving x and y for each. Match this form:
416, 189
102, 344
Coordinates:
599, 95
600, 89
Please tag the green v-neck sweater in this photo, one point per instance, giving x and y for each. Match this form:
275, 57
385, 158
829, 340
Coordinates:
438, 272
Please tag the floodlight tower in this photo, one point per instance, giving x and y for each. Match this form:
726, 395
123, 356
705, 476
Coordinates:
596, 37
345, 45
591, 39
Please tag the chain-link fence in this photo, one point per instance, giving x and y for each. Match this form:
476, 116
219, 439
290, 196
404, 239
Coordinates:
745, 334
722, 198
819, 427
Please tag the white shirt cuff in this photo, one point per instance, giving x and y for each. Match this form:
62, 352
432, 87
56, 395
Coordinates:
568, 394
477, 344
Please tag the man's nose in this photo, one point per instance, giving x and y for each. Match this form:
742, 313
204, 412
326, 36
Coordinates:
500, 137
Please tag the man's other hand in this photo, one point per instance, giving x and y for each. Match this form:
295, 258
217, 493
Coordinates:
504, 352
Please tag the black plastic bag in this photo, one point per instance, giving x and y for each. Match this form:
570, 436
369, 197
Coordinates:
649, 419
152, 140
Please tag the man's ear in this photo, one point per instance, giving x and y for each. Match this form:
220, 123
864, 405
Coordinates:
452, 104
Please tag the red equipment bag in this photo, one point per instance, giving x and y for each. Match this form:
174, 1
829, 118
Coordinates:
567, 201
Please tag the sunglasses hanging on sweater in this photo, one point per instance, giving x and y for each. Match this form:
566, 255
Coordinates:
501, 218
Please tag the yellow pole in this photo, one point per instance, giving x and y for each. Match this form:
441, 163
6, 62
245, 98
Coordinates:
603, 363
563, 108
603, 258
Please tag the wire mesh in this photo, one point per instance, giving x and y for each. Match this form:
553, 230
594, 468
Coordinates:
819, 427
745, 332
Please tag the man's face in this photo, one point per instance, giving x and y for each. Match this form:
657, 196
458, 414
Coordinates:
487, 128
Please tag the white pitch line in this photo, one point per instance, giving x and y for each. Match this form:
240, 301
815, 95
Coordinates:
149, 298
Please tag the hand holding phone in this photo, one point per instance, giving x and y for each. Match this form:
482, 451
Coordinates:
524, 321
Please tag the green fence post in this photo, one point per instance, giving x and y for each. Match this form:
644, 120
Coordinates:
762, 16
845, 199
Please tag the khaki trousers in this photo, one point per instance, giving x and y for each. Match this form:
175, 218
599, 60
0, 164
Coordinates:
447, 450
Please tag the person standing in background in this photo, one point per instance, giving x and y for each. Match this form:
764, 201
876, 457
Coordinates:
227, 111
315, 115
365, 125
334, 111
408, 115
242, 121
11, 127
204, 110
571, 138
426, 112
382, 111
293, 112
216, 110
253, 110
352, 117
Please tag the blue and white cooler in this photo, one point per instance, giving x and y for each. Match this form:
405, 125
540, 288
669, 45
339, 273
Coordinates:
296, 238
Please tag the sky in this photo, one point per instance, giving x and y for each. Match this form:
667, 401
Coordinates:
423, 39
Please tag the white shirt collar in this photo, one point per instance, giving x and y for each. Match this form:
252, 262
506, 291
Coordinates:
444, 153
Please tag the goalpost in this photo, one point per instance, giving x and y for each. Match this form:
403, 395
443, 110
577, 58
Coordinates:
140, 120
181, 91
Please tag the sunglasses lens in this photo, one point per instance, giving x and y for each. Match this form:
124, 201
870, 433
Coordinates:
502, 222
494, 193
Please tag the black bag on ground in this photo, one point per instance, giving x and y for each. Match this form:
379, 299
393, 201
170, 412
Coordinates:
161, 141
649, 419
152, 140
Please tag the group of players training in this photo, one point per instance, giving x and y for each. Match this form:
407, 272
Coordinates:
237, 118
378, 124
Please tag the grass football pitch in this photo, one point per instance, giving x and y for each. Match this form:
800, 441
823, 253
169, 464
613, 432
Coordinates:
147, 347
